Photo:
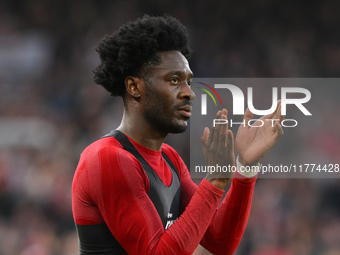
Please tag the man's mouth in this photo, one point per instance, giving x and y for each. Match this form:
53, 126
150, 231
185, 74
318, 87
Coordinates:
185, 111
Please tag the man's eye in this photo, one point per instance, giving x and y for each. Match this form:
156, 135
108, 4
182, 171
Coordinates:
189, 82
174, 81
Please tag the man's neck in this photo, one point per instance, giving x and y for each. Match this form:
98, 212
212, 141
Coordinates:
139, 130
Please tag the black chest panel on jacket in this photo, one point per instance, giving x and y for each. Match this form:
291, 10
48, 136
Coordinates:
99, 239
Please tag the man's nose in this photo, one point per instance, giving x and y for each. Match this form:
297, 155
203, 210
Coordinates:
187, 92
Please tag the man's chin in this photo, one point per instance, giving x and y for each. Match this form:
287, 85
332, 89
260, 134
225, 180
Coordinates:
179, 127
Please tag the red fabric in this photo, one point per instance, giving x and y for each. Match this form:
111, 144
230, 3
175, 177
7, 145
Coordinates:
110, 186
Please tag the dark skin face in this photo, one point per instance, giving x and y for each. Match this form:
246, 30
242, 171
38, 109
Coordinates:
160, 103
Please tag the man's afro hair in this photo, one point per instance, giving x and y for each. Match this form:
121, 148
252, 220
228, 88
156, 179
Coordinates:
135, 44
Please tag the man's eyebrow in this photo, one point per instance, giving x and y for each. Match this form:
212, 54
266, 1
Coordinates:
179, 73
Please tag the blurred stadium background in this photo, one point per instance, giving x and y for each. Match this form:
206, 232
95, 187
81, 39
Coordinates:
50, 110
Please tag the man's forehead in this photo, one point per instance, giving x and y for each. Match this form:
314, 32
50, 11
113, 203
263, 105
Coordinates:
173, 60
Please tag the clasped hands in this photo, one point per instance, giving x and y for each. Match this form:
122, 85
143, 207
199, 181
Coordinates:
252, 143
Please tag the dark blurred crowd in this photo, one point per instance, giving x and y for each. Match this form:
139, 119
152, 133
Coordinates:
50, 110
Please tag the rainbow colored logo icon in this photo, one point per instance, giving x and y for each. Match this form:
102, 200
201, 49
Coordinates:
209, 93
204, 97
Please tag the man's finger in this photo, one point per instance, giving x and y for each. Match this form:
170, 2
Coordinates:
230, 142
277, 113
217, 129
212, 129
248, 115
278, 130
223, 130
205, 136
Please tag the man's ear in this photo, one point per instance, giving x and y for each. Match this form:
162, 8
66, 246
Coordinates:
133, 86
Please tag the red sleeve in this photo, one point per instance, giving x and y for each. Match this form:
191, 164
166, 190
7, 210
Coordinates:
116, 184
229, 222
227, 227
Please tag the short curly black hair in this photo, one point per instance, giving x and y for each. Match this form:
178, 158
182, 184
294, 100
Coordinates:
135, 44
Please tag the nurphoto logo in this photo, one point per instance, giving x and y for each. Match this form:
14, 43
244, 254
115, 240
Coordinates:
238, 99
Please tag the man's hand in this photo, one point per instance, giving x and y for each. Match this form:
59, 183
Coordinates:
218, 148
253, 143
